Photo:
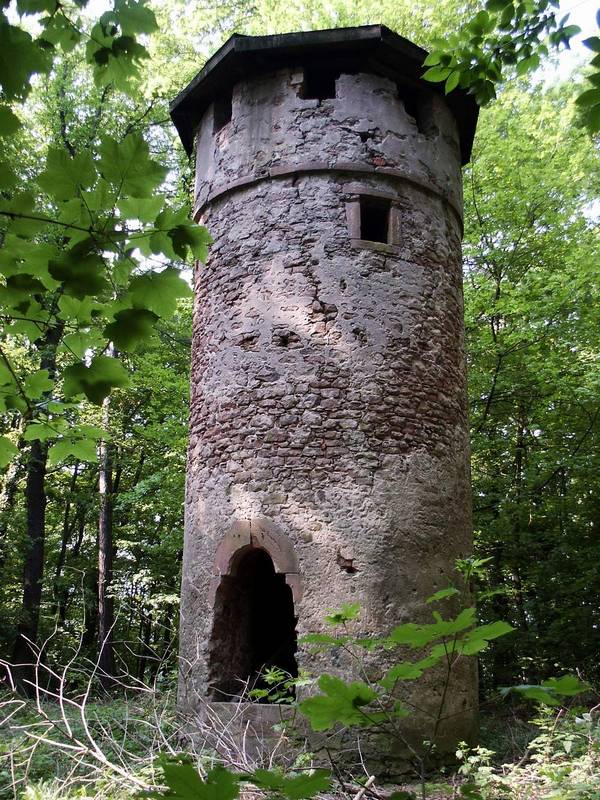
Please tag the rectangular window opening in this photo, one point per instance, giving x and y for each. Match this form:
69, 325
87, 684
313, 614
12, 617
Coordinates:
222, 111
374, 219
318, 83
418, 105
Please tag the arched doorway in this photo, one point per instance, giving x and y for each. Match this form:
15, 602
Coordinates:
254, 626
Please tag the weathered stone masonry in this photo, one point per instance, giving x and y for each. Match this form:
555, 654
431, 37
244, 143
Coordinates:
328, 403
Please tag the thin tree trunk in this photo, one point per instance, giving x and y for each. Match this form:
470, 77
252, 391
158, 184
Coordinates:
7, 501
67, 529
25, 649
146, 648
105, 558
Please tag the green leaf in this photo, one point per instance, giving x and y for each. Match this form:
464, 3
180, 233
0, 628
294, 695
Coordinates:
37, 384
59, 31
81, 273
97, 380
18, 256
184, 782
114, 58
471, 791
528, 64
589, 98
43, 431
63, 175
20, 59
297, 788
132, 327
437, 74
432, 59
593, 121
79, 310
158, 291
7, 451
340, 702
401, 672
8, 179
9, 122
80, 342
145, 209
592, 43
128, 166
442, 594
567, 685
177, 236
413, 635
6, 376
18, 292
36, 6
492, 630
497, 6
135, 17
26, 220
452, 81
79, 449
346, 613
537, 693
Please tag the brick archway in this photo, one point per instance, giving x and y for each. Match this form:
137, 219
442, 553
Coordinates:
261, 534
254, 595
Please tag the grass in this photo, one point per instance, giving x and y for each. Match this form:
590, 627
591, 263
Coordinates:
555, 756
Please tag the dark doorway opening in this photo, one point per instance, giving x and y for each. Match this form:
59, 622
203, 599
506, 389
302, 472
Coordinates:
374, 218
254, 627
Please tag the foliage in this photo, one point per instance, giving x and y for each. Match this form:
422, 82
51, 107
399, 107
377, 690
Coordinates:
531, 294
513, 37
562, 760
73, 239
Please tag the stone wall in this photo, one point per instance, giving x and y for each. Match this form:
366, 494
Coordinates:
328, 405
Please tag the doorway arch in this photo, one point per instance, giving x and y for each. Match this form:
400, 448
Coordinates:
254, 625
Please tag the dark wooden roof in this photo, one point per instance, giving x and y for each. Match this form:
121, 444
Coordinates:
370, 48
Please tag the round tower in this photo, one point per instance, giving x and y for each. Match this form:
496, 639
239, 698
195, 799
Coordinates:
328, 456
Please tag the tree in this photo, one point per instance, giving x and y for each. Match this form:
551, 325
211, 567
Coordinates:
531, 291
505, 38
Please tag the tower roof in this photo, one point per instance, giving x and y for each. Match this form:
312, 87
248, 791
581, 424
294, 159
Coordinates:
369, 48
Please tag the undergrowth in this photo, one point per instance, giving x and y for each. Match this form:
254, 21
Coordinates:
553, 756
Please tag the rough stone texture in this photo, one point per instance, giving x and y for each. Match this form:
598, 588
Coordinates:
328, 407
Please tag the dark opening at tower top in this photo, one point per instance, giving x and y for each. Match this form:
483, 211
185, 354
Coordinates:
254, 628
319, 83
222, 112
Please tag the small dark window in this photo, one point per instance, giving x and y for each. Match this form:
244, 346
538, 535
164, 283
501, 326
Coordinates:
319, 83
418, 105
222, 112
410, 100
374, 219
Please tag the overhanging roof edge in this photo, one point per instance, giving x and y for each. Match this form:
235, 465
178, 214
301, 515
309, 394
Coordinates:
240, 55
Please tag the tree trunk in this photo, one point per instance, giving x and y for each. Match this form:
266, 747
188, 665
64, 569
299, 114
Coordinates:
8, 496
67, 528
105, 558
25, 651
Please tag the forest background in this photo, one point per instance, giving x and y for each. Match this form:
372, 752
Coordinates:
91, 505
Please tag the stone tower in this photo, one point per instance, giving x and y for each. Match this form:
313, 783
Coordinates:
328, 456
